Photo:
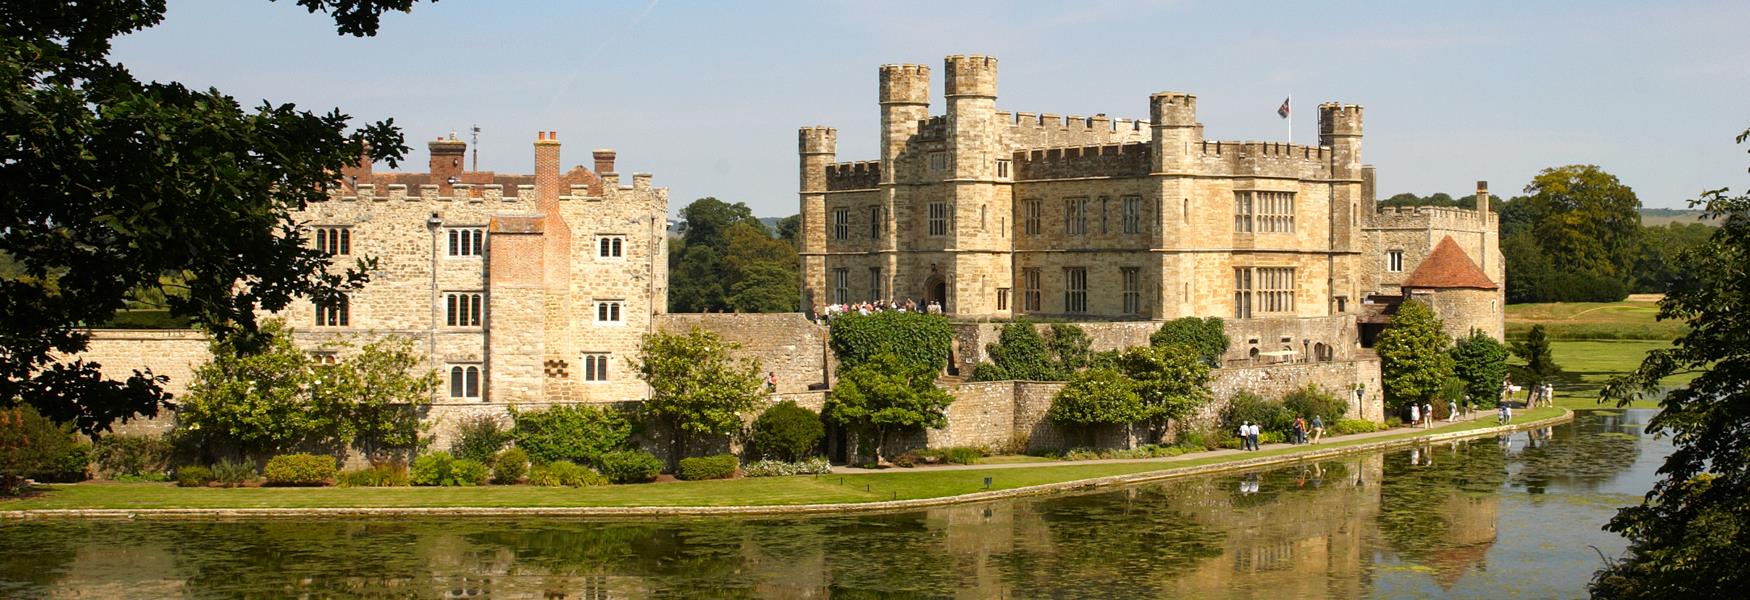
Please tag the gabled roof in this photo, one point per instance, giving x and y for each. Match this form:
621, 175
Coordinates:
1448, 267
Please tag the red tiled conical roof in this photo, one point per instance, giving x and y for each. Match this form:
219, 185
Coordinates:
1448, 267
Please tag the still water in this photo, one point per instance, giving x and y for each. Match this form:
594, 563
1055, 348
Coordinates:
1516, 516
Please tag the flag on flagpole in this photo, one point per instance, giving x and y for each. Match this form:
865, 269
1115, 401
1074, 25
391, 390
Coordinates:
1283, 112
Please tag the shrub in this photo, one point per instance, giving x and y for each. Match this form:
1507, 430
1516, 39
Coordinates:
510, 466
374, 476
432, 469
479, 438
1311, 401
137, 456
467, 472
1247, 406
575, 433
777, 468
193, 476
564, 473
630, 466
1207, 336
232, 473
1348, 426
299, 469
786, 431
72, 466
721, 466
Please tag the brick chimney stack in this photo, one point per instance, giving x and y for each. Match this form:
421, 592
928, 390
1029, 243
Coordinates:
446, 161
604, 164
547, 171
1483, 199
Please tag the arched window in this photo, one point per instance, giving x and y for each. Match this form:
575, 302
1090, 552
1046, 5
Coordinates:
456, 382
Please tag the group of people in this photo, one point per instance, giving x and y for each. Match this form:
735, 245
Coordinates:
874, 306
1423, 415
1301, 432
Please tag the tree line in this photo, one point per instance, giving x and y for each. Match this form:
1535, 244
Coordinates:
1576, 236
726, 260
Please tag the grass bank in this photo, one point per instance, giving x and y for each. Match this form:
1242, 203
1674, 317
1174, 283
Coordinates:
1632, 319
895, 484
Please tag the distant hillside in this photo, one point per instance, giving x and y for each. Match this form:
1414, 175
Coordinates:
1662, 216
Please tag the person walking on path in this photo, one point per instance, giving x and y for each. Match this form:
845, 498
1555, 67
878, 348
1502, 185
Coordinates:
1503, 414
1246, 435
1256, 429
1415, 415
1318, 426
1427, 415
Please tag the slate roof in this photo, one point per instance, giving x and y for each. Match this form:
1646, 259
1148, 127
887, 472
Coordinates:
1448, 267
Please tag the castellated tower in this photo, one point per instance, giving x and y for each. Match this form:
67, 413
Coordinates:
1340, 130
976, 181
817, 147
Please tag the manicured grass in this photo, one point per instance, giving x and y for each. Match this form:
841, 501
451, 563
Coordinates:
1589, 364
895, 484
1632, 319
1009, 459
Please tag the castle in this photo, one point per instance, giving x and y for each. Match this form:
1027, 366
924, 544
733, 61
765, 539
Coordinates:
999, 214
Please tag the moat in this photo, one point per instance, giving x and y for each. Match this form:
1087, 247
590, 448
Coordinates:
1492, 517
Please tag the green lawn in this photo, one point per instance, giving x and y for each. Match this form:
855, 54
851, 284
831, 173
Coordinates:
902, 484
1633, 319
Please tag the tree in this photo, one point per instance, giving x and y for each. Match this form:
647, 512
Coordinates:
1413, 358
759, 272
788, 227
1656, 264
108, 183
695, 386
276, 398
1208, 336
1585, 220
728, 260
1097, 398
29, 444
886, 394
1172, 380
1481, 363
1070, 345
1019, 353
1540, 364
1690, 536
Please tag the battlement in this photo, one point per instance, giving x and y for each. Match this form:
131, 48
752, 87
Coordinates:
1215, 148
858, 175
462, 192
1433, 217
905, 84
970, 75
1105, 160
817, 140
1034, 130
1173, 109
1339, 119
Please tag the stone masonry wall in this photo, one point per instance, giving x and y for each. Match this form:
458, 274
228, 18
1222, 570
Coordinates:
174, 354
787, 344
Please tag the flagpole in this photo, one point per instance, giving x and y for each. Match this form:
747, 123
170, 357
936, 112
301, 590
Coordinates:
1291, 119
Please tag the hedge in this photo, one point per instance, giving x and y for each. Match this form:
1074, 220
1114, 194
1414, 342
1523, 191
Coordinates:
786, 431
916, 338
299, 469
564, 473
721, 466
630, 466
575, 433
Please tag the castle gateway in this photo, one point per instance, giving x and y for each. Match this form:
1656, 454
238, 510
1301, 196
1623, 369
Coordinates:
1000, 214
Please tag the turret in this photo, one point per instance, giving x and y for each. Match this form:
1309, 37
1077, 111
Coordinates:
1175, 130
1340, 130
446, 161
971, 89
817, 147
905, 100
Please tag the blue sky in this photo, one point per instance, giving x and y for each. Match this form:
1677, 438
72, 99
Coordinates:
708, 95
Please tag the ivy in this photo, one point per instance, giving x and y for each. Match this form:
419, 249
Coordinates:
913, 338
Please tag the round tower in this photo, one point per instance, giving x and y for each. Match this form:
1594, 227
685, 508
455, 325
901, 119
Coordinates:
817, 148
974, 143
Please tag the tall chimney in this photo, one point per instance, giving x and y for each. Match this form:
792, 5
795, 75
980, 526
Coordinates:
446, 161
547, 171
1483, 199
604, 164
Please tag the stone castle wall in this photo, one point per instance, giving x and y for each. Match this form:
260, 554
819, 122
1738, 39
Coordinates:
787, 344
171, 353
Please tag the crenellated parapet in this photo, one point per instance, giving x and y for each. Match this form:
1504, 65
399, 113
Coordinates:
1035, 130
1262, 159
1433, 217
461, 192
858, 175
1108, 160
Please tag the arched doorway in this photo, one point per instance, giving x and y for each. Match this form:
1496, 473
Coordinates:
936, 290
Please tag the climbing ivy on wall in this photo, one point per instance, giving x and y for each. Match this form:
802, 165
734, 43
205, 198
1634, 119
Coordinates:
916, 338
